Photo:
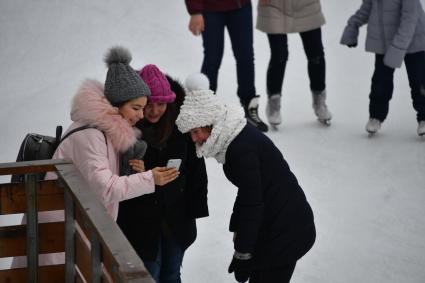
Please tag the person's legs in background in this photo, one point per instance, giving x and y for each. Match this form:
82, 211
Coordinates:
313, 47
278, 44
240, 27
213, 42
415, 66
380, 94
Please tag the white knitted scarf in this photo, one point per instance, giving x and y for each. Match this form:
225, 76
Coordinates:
223, 133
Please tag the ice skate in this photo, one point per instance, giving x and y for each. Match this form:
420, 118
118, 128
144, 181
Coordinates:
320, 107
273, 111
421, 129
251, 114
373, 126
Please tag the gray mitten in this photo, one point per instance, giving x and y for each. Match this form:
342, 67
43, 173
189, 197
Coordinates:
137, 151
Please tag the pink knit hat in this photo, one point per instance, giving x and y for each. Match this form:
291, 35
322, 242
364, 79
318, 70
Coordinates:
158, 84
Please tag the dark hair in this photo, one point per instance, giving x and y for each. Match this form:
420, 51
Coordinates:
162, 130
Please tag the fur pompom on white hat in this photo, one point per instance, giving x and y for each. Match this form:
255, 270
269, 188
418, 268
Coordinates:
200, 107
197, 81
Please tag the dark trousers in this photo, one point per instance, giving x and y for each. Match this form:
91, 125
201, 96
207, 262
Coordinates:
382, 85
313, 48
239, 26
166, 267
281, 274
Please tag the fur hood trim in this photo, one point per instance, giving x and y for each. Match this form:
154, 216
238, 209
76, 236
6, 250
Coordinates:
90, 107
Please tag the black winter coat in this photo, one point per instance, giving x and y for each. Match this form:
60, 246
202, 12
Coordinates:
174, 207
271, 216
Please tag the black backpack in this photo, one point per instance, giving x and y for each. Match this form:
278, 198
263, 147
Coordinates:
39, 147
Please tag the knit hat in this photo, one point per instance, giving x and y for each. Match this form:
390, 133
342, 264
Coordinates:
122, 82
158, 84
200, 107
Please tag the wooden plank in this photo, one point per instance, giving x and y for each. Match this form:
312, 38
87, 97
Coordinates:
48, 274
13, 239
82, 256
13, 200
35, 166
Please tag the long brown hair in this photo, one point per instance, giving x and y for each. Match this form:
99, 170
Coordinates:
159, 132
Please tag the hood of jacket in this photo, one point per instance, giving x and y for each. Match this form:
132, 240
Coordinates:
90, 107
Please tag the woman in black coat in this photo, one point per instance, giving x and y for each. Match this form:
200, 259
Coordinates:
272, 221
162, 226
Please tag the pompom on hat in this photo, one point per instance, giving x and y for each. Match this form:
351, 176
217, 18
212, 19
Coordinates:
122, 82
200, 107
158, 84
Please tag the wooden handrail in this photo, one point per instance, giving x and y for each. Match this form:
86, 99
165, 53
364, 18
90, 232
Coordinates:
110, 250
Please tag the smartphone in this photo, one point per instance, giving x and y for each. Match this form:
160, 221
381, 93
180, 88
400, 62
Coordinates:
174, 163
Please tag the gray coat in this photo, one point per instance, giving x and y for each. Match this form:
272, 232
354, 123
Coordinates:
395, 27
289, 16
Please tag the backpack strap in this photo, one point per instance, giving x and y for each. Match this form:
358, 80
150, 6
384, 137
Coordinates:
77, 130
58, 135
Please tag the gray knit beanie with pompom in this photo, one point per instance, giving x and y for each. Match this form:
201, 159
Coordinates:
122, 82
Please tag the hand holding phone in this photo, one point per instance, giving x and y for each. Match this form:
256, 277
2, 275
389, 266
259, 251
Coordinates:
174, 163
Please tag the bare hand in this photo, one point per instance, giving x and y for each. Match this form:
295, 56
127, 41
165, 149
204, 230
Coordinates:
196, 24
137, 165
164, 175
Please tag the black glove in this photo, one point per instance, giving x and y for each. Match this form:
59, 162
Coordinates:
351, 45
241, 268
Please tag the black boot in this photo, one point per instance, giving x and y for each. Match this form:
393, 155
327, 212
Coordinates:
251, 114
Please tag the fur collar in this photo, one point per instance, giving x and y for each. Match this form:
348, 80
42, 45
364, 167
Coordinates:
90, 107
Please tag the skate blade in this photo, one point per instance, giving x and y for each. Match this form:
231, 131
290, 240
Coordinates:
326, 122
274, 127
370, 134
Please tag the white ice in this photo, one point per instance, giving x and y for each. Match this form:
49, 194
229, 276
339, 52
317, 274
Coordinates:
367, 194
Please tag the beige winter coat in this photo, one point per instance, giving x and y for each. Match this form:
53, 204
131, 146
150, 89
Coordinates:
289, 16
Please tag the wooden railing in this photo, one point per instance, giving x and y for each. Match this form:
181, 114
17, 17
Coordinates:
95, 248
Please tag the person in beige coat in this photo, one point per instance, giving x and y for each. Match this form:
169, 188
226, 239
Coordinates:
277, 18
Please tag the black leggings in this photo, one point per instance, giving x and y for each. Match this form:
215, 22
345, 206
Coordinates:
313, 48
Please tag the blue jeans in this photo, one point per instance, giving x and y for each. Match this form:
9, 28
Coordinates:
383, 86
239, 25
166, 267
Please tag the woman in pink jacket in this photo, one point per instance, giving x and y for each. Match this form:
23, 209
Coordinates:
111, 111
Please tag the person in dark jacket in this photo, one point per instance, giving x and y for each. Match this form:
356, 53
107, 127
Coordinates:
272, 221
162, 226
210, 18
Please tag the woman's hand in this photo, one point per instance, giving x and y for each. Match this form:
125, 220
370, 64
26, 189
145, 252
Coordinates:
164, 175
196, 24
137, 165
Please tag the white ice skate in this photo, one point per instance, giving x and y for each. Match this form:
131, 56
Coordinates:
273, 110
421, 129
373, 126
320, 107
